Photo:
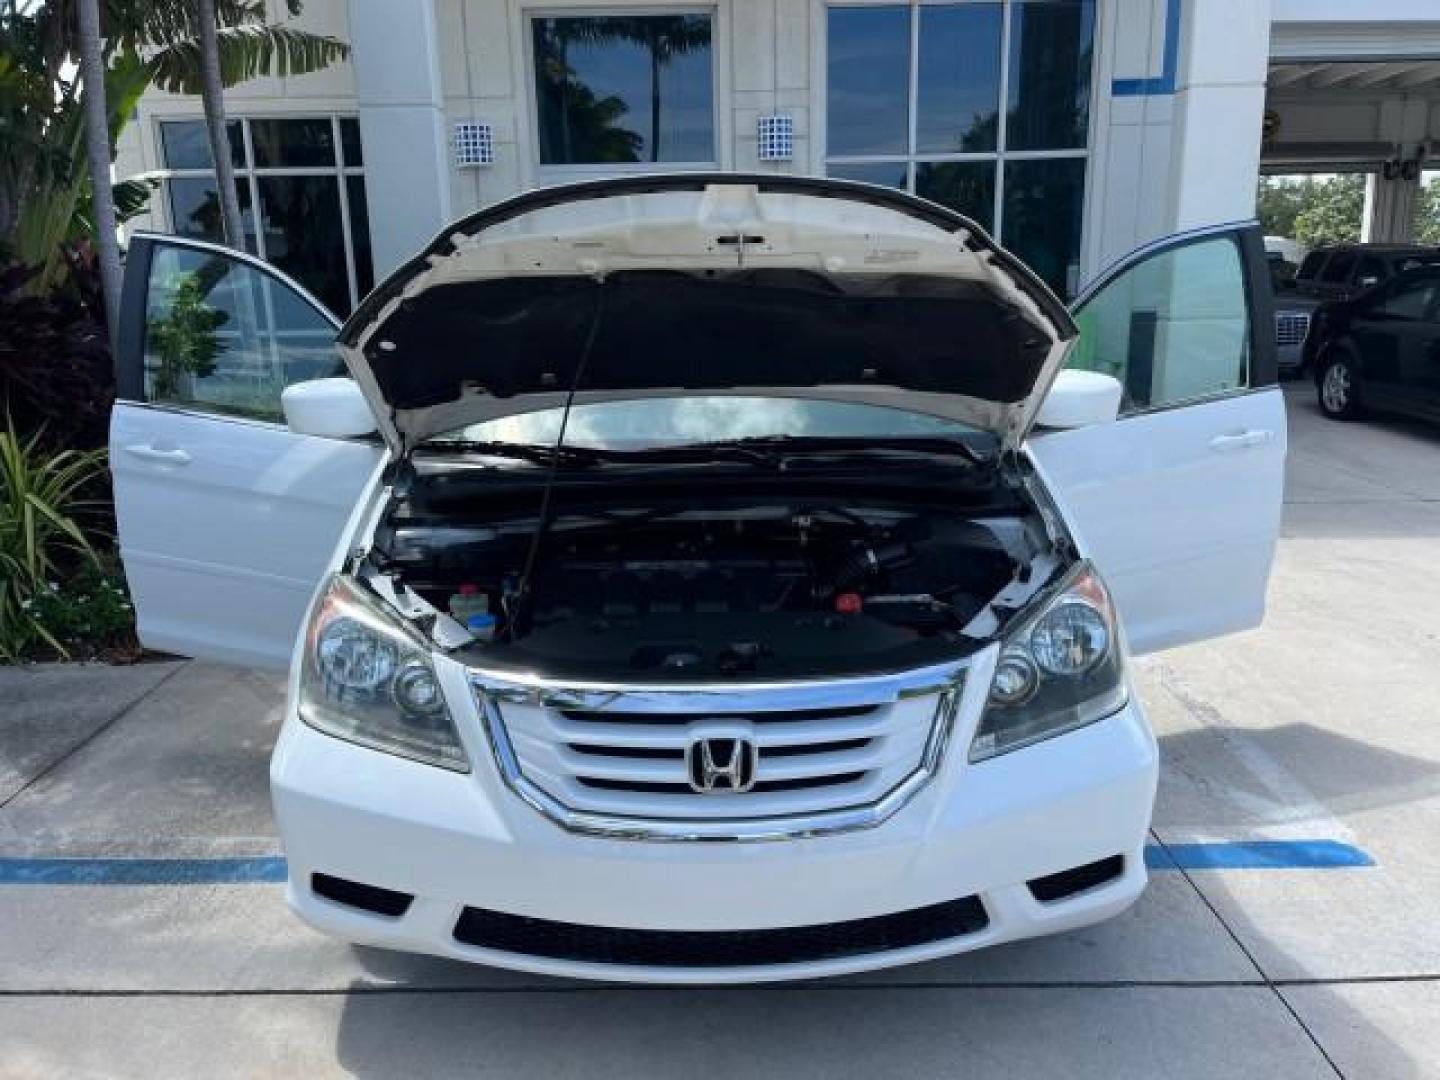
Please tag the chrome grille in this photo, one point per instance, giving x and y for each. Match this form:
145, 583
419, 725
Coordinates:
830, 755
1291, 327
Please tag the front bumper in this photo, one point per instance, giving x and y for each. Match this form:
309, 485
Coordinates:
454, 841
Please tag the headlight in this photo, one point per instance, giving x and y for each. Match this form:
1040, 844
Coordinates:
366, 678
1059, 669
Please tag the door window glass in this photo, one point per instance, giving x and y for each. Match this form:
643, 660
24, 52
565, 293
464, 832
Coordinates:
614, 89
1172, 328
1410, 300
1310, 267
1337, 270
222, 336
1371, 271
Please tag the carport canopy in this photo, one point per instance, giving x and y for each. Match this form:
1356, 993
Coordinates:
1357, 97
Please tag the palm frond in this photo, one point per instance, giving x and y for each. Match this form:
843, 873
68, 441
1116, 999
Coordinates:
246, 52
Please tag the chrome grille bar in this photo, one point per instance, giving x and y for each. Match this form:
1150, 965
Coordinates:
611, 759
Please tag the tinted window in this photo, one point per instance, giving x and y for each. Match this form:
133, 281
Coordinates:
292, 143
1370, 271
304, 235
1051, 47
1412, 300
360, 234
868, 80
958, 103
1311, 266
304, 222
966, 186
186, 145
886, 173
195, 209
1410, 262
222, 336
1043, 202
350, 142
1337, 270
1173, 327
624, 88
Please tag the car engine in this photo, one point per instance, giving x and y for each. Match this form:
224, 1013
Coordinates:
745, 585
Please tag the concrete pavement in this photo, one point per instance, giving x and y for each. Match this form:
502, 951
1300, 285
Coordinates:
1318, 726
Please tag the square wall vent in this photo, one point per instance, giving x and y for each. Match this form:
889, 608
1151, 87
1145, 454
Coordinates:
777, 137
474, 144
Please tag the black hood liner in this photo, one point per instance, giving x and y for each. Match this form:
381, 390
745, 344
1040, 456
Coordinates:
707, 330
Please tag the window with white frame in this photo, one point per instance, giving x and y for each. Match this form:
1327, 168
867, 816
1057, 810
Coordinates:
618, 89
306, 175
982, 105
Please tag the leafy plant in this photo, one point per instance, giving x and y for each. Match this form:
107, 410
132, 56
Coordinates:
184, 341
55, 371
90, 612
41, 496
1327, 210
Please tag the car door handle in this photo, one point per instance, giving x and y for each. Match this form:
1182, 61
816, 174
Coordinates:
169, 455
1241, 440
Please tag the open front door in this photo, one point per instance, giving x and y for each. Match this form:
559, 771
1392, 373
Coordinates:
227, 519
1178, 500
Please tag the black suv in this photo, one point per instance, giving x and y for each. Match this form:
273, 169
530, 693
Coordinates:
1336, 273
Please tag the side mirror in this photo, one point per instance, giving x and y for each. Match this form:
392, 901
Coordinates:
1081, 399
334, 408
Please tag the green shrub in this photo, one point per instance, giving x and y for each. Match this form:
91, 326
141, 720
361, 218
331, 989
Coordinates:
41, 542
89, 613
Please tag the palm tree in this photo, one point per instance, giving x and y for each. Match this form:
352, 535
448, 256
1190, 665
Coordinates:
203, 46
97, 152
212, 96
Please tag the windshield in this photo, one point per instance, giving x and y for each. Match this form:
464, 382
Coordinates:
640, 425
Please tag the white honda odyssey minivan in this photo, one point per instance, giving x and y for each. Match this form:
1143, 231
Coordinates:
703, 578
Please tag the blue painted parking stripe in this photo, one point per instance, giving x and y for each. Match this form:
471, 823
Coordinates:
237, 871
270, 869
1257, 855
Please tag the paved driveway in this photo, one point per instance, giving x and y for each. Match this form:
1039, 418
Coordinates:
1320, 727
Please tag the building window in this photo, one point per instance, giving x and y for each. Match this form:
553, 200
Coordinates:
621, 89
982, 105
306, 175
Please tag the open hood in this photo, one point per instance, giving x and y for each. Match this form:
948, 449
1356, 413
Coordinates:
707, 284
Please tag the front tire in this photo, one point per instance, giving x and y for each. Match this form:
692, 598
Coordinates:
1339, 386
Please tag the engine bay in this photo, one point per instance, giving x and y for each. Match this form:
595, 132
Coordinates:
747, 585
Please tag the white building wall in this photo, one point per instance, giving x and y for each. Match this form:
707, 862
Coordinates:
402, 125
1219, 104
1175, 122
1130, 162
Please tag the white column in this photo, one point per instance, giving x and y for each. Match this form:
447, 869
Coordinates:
395, 53
1390, 204
1219, 104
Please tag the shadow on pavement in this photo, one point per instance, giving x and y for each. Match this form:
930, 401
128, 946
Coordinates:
1339, 773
